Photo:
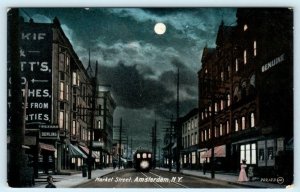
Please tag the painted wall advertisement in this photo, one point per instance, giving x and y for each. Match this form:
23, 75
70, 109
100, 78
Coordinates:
36, 69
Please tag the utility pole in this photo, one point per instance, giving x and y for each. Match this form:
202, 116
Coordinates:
94, 88
178, 130
120, 142
170, 147
17, 118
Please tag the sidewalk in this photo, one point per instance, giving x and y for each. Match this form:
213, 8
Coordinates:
67, 181
229, 178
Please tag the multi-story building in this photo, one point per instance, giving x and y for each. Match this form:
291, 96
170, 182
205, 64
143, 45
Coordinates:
190, 157
246, 92
104, 126
59, 99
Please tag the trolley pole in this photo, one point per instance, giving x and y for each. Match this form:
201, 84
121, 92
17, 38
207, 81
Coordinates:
120, 142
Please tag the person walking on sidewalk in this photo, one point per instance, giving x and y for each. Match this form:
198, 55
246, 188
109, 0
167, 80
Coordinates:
243, 174
50, 182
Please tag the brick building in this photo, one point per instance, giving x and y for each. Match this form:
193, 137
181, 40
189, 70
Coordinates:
246, 92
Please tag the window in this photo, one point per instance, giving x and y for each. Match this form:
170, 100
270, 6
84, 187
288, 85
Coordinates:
67, 92
270, 153
253, 153
192, 139
61, 91
73, 127
236, 65
248, 153
227, 127
61, 119
228, 100
209, 133
202, 115
216, 131
245, 27
189, 140
222, 104
67, 64
252, 120
254, 48
261, 154
99, 124
62, 62
221, 129
196, 138
245, 57
202, 136
206, 71
243, 123
74, 78
193, 157
209, 110
222, 76
205, 135
216, 107
67, 120
236, 125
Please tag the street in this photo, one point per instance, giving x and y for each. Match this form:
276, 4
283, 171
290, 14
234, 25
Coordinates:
129, 178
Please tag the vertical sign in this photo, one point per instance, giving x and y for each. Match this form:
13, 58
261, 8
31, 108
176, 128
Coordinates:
36, 69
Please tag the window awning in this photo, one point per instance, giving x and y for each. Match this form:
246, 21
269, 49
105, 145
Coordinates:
75, 151
219, 151
87, 151
47, 147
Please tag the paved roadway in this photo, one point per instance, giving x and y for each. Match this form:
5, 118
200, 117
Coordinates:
129, 178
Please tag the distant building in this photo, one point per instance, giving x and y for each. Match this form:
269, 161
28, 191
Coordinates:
246, 92
190, 157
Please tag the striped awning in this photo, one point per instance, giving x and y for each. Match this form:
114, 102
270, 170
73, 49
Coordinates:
87, 151
47, 147
75, 151
219, 151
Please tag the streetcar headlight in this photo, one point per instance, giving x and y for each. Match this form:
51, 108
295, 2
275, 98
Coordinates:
138, 156
144, 164
144, 155
149, 155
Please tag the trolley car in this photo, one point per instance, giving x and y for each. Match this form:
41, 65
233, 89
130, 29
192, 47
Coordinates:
142, 160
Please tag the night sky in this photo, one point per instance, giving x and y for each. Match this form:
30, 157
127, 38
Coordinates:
139, 64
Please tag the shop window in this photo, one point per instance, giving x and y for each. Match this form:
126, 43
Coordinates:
242, 153
261, 154
193, 157
253, 153
270, 153
245, 56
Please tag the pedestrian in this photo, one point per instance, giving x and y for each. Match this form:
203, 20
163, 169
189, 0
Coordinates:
204, 167
243, 174
50, 182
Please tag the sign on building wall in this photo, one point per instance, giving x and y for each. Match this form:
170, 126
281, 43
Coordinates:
36, 69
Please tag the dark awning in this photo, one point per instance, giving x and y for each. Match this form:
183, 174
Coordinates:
47, 147
75, 152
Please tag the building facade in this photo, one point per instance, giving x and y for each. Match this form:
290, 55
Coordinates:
59, 123
245, 92
190, 157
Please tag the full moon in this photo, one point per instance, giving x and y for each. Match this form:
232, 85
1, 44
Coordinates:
160, 28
